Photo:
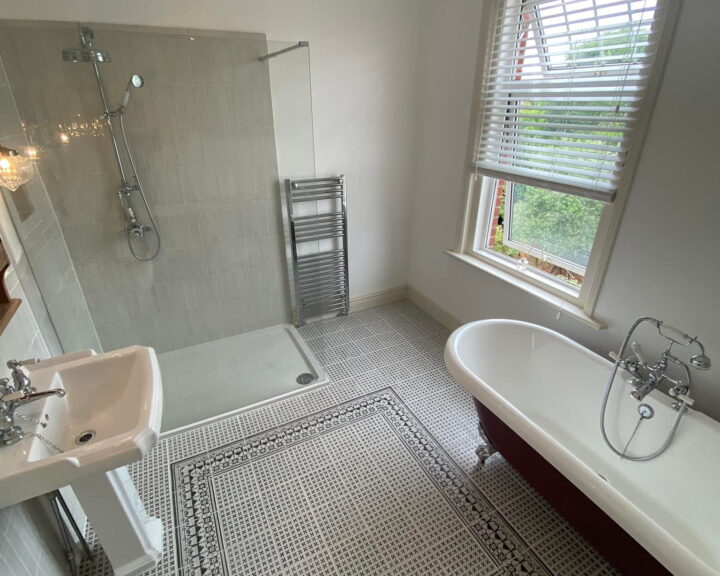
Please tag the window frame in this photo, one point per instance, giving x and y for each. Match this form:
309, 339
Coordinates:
476, 207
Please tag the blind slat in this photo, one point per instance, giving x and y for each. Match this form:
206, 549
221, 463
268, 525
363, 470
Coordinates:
559, 169
569, 165
552, 160
513, 107
571, 9
593, 22
569, 83
610, 63
520, 117
572, 186
580, 128
562, 87
566, 144
566, 152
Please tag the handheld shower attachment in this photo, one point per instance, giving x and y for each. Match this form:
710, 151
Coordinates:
136, 81
700, 361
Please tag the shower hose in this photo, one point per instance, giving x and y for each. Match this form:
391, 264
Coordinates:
606, 397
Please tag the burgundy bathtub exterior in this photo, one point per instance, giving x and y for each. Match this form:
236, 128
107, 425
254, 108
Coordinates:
609, 539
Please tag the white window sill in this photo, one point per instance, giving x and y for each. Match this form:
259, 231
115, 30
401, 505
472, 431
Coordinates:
572, 310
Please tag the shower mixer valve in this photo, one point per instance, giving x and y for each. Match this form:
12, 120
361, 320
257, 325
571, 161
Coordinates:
128, 189
132, 226
138, 230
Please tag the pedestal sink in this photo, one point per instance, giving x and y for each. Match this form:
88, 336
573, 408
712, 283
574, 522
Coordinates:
109, 417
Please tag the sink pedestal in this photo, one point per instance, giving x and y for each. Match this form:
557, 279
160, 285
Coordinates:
131, 539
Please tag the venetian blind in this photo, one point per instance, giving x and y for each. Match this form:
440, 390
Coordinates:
563, 85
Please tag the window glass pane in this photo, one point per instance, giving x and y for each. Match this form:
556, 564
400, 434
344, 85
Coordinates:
594, 33
545, 230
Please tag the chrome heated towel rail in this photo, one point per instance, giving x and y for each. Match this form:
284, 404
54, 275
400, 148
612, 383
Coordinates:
316, 224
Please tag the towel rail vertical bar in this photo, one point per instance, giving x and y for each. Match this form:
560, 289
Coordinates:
317, 275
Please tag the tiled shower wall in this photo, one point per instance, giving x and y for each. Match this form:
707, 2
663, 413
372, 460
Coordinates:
202, 133
52, 286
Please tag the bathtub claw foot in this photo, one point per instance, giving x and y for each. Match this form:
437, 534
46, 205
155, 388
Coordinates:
483, 453
487, 449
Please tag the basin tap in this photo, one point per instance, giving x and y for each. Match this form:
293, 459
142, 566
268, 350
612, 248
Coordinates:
21, 381
10, 399
19, 398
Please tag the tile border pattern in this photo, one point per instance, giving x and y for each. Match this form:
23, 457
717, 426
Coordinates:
200, 546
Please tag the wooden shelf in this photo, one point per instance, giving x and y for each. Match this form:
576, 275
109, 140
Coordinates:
7, 309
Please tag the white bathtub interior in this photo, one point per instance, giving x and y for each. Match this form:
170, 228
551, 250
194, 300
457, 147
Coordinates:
555, 387
212, 379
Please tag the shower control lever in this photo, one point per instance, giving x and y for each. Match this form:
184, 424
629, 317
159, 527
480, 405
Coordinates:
128, 189
637, 350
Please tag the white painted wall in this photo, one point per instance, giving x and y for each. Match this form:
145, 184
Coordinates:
666, 259
364, 59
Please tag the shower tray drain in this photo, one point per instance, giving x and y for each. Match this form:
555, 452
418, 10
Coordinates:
305, 378
85, 437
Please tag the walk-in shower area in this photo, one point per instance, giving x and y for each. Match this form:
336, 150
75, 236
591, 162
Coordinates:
156, 214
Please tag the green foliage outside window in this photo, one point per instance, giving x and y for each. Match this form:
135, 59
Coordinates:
556, 223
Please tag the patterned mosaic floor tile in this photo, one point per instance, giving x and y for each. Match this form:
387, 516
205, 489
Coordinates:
400, 450
374, 473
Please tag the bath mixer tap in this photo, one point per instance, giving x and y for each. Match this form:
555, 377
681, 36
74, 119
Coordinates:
646, 376
10, 399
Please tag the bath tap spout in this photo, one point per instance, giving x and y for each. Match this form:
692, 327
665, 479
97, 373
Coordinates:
641, 391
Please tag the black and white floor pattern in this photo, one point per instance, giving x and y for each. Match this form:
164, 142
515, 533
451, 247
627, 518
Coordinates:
374, 473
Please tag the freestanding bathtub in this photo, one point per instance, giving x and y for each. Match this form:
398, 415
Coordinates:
538, 395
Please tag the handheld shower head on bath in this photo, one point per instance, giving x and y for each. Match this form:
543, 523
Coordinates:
700, 361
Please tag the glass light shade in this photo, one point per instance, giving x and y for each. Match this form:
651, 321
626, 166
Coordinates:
16, 171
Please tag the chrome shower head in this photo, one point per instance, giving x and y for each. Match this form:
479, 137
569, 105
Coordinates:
79, 54
85, 52
700, 361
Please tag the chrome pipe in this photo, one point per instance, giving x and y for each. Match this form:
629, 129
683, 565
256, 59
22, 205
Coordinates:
108, 115
301, 44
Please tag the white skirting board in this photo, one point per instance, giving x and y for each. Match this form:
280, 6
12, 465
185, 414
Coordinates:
405, 293
379, 298
436, 311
